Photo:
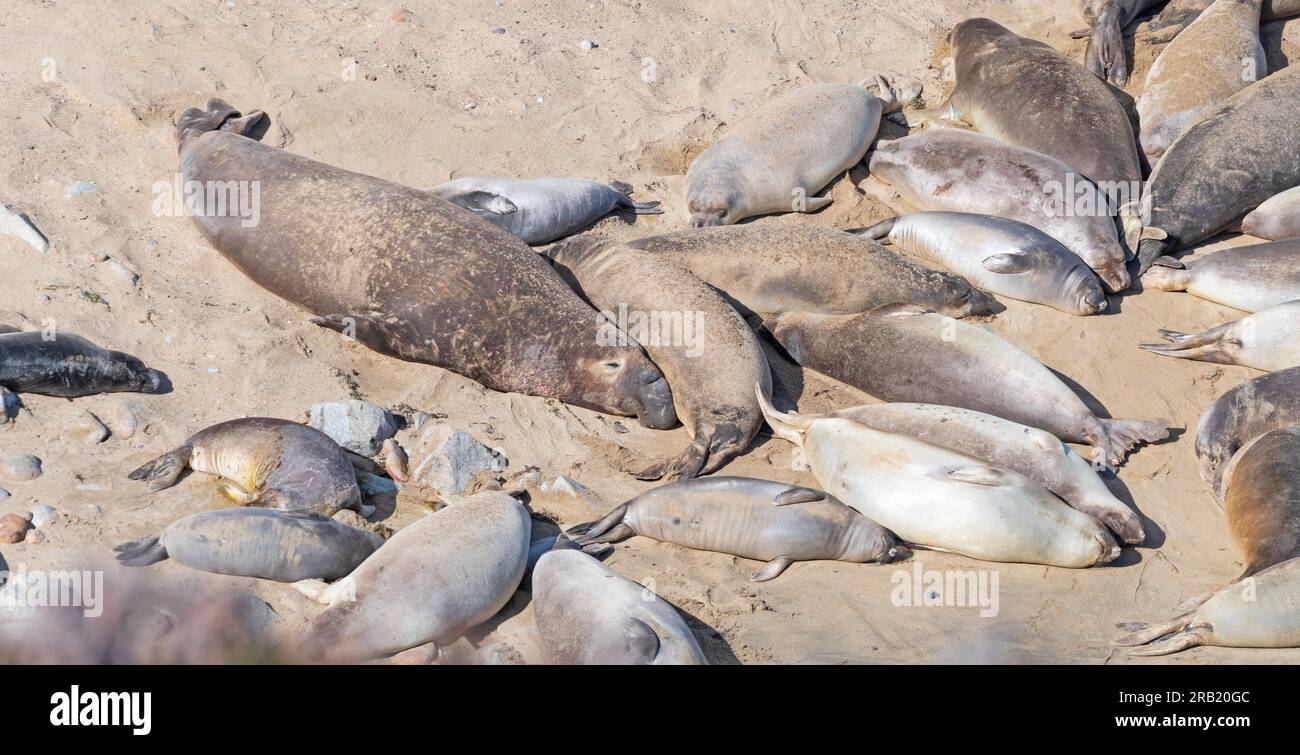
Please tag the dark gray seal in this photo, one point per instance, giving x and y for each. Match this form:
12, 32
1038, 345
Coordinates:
69, 366
1249, 410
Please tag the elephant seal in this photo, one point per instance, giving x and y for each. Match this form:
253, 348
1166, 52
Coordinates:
431, 582
778, 158
1277, 218
1262, 499
1178, 14
265, 462
756, 519
1024, 92
1249, 410
1240, 154
587, 614
936, 498
285, 546
1000, 255
1251, 278
961, 171
1105, 54
541, 210
1268, 340
922, 357
69, 366
1215, 57
1034, 453
408, 274
710, 355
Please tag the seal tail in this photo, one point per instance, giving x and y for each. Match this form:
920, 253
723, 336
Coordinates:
164, 471
602, 530
150, 550
789, 426
878, 231
1204, 347
1119, 436
218, 115
1162, 639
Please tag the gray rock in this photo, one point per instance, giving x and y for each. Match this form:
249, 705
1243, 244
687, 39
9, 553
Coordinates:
450, 458
121, 419
358, 426
90, 428
42, 515
20, 467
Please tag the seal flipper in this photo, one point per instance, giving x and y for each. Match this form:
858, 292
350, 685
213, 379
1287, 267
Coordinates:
709, 451
798, 495
772, 570
483, 202
877, 231
605, 525
1210, 346
1118, 436
164, 471
626, 203
149, 550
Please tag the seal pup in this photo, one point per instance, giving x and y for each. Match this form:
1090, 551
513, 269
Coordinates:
541, 210
778, 158
1105, 55
264, 462
1268, 340
1251, 278
431, 582
409, 274
999, 255
1215, 57
1277, 218
1034, 453
922, 357
587, 614
936, 498
285, 546
69, 366
1249, 410
13, 222
961, 171
1227, 164
755, 519
709, 354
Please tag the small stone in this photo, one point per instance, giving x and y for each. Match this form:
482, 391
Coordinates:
121, 420
471, 105
126, 273
42, 297
94, 509
20, 467
77, 188
418, 419
358, 426
90, 428
34, 537
42, 515
92, 487
499, 30
587, 44
13, 528
3, 494
450, 459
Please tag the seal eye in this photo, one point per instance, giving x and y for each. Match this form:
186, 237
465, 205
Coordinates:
677, 521
613, 365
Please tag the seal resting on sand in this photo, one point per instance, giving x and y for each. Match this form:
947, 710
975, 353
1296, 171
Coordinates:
1249, 410
69, 366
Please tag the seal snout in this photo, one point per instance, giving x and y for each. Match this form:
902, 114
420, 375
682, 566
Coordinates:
1108, 547
1093, 302
153, 381
654, 399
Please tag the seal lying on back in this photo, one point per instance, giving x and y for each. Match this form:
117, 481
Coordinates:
1251, 278
1215, 57
768, 268
1249, 410
999, 255
1240, 154
961, 171
269, 463
541, 210
587, 614
430, 583
1105, 55
69, 366
712, 360
775, 160
286, 546
1278, 218
758, 519
409, 274
939, 499
904, 353
1269, 340
1036, 454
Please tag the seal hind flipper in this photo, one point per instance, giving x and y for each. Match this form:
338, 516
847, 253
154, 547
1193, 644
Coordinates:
164, 471
772, 570
877, 231
602, 526
1119, 436
1206, 347
149, 550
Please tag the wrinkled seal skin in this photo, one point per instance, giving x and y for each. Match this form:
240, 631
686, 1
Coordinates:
281, 546
1034, 453
1267, 340
268, 463
1000, 255
1024, 92
785, 153
1251, 278
1105, 55
937, 498
430, 583
1239, 155
771, 268
712, 368
1276, 219
412, 275
952, 170
541, 210
904, 353
69, 366
757, 519
1249, 410
586, 614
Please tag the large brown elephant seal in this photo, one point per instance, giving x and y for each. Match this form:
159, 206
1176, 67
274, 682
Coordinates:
1277, 218
587, 614
431, 582
1262, 499
779, 157
709, 354
904, 353
1215, 57
1251, 278
409, 274
69, 366
758, 519
1249, 410
1240, 154
265, 462
1105, 55
1266, 340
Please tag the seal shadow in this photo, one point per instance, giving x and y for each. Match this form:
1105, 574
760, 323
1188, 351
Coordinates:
715, 646
1270, 36
1155, 533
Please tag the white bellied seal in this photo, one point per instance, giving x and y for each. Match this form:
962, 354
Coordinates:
1268, 340
1250, 278
1277, 218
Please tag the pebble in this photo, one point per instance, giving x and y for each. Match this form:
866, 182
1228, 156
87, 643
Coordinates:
92, 430
127, 274
92, 487
121, 419
77, 188
471, 105
20, 467
587, 44
42, 515
13, 528
3, 494
358, 426
34, 537
499, 30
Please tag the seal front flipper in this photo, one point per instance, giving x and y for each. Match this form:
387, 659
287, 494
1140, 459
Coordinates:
483, 202
772, 570
798, 495
1116, 437
164, 471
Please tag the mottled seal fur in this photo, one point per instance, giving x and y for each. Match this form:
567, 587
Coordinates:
69, 366
1249, 410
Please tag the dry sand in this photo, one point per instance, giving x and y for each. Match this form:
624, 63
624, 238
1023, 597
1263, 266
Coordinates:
440, 93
